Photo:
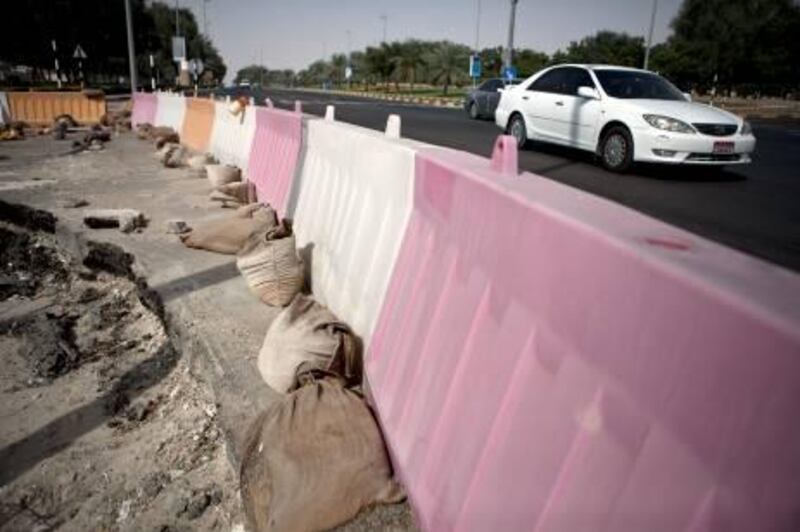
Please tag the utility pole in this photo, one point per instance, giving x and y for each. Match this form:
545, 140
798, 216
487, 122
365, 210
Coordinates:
131, 51
650, 35
509, 52
385, 20
177, 21
477, 26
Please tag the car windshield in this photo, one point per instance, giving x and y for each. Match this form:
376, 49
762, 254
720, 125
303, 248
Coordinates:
633, 85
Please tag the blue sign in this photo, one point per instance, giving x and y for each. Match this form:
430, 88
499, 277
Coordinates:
510, 73
474, 66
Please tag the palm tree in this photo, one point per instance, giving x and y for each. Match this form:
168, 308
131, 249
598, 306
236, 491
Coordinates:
408, 59
448, 64
379, 63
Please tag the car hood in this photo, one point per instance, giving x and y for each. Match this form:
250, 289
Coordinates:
689, 112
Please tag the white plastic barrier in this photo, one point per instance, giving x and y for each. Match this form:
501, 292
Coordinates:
232, 135
170, 111
355, 191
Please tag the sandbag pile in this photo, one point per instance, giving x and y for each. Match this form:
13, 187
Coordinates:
222, 174
158, 134
304, 337
314, 460
229, 234
234, 194
271, 266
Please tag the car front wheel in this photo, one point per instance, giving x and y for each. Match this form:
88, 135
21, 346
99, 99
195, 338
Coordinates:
516, 128
616, 150
473, 111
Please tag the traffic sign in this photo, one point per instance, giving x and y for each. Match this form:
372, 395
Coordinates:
475, 66
510, 73
178, 49
79, 53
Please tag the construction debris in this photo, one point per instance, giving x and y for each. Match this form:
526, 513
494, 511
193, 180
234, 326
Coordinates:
12, 131
177, 227
126, 220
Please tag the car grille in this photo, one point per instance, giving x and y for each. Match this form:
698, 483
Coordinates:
714, 157
716, 130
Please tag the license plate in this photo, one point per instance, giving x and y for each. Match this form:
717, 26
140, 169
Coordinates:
724, 147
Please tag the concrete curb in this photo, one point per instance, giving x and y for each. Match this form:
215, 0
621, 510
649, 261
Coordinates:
433, 102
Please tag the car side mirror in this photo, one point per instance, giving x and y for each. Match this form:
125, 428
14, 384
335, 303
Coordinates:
688, 96
500, 89
589, 93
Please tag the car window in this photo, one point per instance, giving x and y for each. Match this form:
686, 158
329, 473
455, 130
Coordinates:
552, 81
576, 78
634, 84
490, 85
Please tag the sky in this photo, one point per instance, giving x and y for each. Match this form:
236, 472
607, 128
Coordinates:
293, 33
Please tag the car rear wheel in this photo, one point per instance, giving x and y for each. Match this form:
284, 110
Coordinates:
473, 111
516, 128
616, 150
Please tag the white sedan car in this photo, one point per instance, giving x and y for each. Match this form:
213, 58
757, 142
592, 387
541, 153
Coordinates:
623, 115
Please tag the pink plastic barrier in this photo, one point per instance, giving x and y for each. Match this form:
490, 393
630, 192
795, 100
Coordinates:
144, 109
547, 360
274, 154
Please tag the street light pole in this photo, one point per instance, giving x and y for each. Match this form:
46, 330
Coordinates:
131, 51
650, 35
177, 21
477, 26
509, 52
385, 20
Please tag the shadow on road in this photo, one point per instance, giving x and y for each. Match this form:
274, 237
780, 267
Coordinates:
663, 172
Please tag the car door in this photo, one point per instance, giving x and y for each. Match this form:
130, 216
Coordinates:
492, 98
576, 117
540, 104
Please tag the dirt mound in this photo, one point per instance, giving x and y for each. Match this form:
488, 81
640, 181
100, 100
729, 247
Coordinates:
104, 427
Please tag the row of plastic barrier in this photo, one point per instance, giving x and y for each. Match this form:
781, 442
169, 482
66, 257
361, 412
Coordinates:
539, 357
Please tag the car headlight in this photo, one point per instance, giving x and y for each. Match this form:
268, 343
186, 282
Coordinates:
668, 124
747, 129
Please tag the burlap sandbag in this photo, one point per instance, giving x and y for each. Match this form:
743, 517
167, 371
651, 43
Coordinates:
314, 460
220, 174
228, 234
307, 336
270, 265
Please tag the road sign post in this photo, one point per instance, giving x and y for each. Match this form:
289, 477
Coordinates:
475, 68
80, 55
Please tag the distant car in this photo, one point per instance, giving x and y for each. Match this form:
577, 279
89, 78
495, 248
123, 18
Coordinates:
483, 99
623, 115
244, 83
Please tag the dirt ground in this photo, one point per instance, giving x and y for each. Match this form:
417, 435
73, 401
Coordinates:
104, 425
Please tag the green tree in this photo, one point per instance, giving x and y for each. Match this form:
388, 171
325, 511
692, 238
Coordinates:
408, 59
747, 42
449, 64
251, 73
529, 61
605, 47
379, 63
98, 26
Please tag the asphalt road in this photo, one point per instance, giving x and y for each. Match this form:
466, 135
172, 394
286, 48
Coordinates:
754, 208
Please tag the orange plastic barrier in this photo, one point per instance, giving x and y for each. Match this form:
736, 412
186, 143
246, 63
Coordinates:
197, 123
41, 108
